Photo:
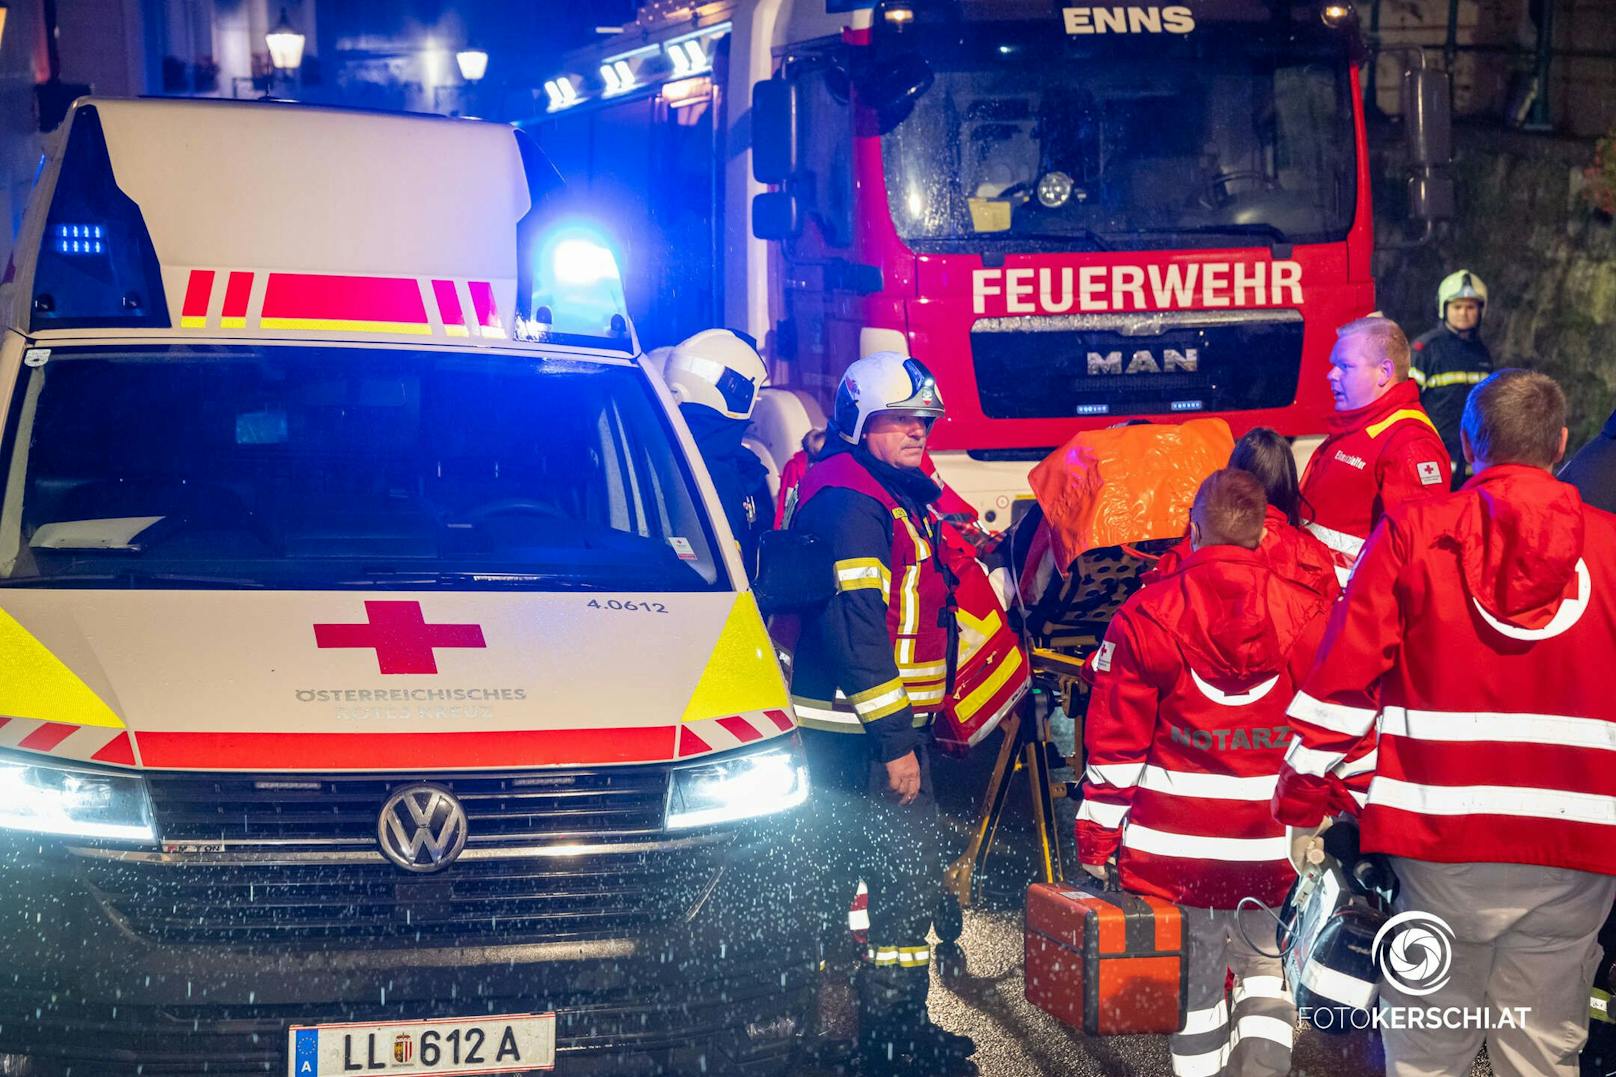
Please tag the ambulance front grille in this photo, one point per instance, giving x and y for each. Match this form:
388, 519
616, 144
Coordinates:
270, 858
502, 808
493, 901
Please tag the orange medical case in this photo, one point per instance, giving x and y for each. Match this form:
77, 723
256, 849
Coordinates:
1106, 963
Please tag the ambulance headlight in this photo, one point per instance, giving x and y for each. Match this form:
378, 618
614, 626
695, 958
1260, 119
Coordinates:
739, 787
73, 802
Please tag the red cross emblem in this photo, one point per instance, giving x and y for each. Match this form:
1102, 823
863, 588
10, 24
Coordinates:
402, 639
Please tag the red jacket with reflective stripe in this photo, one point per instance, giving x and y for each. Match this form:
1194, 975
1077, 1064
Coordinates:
1291, 552
1186, 729
1375, 457
1478, 632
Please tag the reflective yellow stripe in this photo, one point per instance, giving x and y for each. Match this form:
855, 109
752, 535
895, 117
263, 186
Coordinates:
922, 547
880, 701
904, 651
857, 573
1398, 416
985, 691
1417, 376
908, 957
909, 602
1455, 377
923, 670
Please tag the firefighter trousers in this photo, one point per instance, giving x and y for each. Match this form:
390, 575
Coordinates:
1524, 937
1244, 1034
856, 830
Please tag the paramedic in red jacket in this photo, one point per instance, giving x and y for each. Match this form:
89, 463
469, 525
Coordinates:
1291, 550
1381, 449
1185, 733
1479, 630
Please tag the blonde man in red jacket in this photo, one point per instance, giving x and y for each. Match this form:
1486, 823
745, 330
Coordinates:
1382, 448
1185, 734
1478, 632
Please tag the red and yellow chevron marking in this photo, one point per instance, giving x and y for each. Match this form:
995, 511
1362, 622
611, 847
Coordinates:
327, 303
720, 734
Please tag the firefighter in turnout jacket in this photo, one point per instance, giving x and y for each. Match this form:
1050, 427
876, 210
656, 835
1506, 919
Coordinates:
1451, 359
1185, 734
1476, 636
1382, 448
870, 670
715, 376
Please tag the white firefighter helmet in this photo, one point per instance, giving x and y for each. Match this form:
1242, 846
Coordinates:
884, 381
1460, 284
718, 368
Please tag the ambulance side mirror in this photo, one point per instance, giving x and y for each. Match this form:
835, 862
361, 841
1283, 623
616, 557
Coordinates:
796, 573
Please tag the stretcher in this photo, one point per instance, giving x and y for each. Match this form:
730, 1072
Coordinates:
1116, 499
1061, 627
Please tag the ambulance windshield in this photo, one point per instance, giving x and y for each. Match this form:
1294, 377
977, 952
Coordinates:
293, 467
1132, 141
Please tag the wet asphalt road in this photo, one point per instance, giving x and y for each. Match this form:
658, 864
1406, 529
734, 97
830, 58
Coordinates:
979, 991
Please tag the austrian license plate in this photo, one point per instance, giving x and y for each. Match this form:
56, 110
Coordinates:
515, 1043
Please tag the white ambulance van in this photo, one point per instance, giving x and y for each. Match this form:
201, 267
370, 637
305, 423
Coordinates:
379, 688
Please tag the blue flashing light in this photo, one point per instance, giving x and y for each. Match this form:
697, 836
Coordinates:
81, 239
1093, 409
577, 282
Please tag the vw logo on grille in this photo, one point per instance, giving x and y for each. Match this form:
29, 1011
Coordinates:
422, 828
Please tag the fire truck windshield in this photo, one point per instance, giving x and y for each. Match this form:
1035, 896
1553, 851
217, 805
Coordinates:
1144, 141
292, 467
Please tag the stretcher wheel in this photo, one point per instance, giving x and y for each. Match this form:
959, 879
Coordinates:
949, 958
948, 918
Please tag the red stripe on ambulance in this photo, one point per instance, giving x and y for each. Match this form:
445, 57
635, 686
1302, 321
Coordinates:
198, 290
388, 751
325, 297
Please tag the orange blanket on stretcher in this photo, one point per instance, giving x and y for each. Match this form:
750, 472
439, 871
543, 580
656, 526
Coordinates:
1126, 484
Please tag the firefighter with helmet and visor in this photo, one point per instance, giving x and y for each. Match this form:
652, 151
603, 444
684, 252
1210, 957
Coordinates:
1452, 359
715, 376
870, 670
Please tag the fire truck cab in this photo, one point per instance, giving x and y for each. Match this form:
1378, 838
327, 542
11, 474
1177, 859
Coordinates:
1076, 215
380, 688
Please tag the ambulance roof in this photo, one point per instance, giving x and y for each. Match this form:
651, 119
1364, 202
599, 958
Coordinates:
266, 219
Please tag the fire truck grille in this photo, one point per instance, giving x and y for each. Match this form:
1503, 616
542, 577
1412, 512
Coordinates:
276, 858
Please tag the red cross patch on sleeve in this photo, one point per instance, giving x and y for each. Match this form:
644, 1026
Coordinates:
1430, 472
1102, 657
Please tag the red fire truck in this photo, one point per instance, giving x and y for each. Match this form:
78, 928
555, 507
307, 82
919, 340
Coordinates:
1075, 215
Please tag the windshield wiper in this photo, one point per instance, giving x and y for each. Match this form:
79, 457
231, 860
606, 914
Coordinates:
134, 579
392, 578
1250, 229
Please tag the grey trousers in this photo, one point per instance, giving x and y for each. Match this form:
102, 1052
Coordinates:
1248, 1034
1524, 936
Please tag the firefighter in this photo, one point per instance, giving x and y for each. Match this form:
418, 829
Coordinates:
1474, 636
1381, 449
715, 376
1289, 548
1185, 735
869, 672
1452, 358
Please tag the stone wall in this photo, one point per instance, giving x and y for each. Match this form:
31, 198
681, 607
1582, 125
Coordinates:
1548, 260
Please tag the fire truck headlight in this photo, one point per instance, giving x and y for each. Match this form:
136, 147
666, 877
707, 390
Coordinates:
740, 787
73, 802
1336, 15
